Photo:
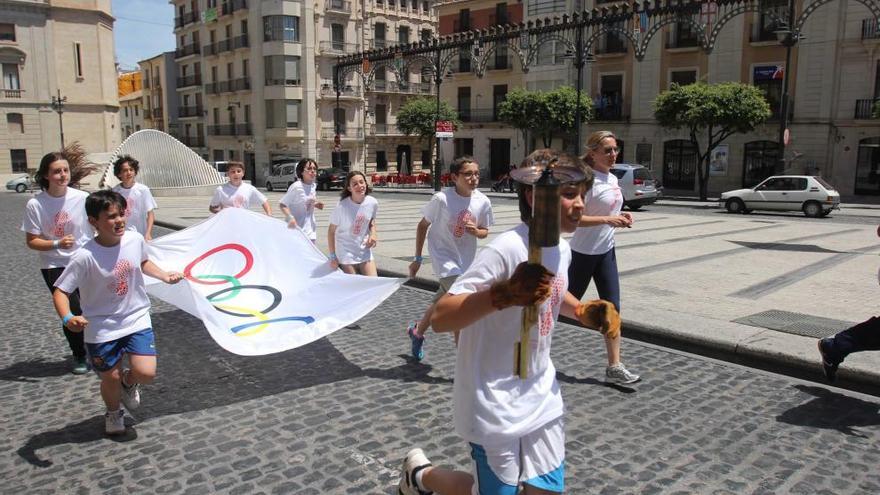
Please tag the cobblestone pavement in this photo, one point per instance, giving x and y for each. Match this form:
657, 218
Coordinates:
336, 416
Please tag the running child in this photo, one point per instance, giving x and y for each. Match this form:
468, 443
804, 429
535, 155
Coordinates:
514, 426
351, 236
300, 201
236, 193
452, 221
55, 225
139, 213
109, 270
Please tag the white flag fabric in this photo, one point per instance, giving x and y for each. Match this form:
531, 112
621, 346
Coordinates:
258, 286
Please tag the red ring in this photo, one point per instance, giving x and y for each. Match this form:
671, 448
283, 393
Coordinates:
248, 258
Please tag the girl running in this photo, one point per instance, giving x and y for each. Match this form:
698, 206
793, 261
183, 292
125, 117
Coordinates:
352, 232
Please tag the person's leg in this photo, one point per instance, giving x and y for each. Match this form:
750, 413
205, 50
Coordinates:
543, 459
106, 359
418, 477
111, 386
74, 339
580, 272
864, 336
445, 481
141, 349
608, 287
349, 269
368, 268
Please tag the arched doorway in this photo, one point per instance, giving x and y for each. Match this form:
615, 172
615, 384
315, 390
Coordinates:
867, 165
404, 159
759, 161
680, 162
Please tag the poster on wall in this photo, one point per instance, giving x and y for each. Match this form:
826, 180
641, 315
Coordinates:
718, 160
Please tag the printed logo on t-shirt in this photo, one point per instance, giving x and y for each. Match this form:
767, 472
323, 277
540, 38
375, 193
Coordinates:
545, 323
618, 198
238, 201
464, 216
122, 270
358, 225
310, 205
129, 206
62, 218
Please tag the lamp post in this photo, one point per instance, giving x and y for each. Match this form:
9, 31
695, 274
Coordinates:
438, 79
58, 105
580, 59
337, 126
788, 38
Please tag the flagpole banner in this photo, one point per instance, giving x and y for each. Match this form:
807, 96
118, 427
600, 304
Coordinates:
258, 286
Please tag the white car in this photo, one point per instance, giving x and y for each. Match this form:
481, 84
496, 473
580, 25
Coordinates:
807, 193
637, 184
282, 176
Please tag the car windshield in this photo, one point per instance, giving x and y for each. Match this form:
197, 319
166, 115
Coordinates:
618, 172
643, 174
823, 183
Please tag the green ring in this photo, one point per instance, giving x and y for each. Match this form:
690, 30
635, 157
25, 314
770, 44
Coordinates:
229, 278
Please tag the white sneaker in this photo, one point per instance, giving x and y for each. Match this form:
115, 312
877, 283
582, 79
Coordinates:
415, 461
131, 395
114, 422
620, 375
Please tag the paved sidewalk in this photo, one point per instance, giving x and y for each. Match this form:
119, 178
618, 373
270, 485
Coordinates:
679, 275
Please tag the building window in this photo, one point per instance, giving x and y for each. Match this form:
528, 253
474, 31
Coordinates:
499, 94
282, 70
614, 40
7, 32
426, 35
683, 77
337, 36
10, 76
464, 105
768, 78
379, 35
680, 161
501, 14
464, 147
19, 160
644, 154
381, 161
136, 111
463, 23
868, 167
15, 123
403, 35
126, 111
281, 28
77, 60
282, 114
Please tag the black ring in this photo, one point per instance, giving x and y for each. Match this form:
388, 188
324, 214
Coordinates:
275, 293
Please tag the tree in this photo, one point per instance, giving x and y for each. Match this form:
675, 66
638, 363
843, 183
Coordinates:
417, 117
546, 114
711, 113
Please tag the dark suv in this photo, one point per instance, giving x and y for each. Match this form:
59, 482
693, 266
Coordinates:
329, 178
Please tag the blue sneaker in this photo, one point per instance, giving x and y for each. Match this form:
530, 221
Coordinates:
829, 363
417, 342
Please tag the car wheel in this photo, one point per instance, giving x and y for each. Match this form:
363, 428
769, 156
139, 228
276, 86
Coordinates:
825, 213
735, 205
812, 209
633, 207
269, 186
20, 188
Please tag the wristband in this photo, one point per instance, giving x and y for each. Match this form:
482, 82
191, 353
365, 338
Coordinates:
288, 218
332, 256
417, 259
66, 318
56, 243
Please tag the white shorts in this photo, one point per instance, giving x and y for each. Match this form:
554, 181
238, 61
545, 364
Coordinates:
536, 459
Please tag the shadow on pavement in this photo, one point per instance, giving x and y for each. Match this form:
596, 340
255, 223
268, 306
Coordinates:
832, 411
89, 430
195, 373
28, 371
562, 377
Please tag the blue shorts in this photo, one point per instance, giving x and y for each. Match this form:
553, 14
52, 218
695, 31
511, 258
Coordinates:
105, 355
536, 459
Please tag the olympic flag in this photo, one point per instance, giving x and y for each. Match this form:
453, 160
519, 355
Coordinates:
258, 286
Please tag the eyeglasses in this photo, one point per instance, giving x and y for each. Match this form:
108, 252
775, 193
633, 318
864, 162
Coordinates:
468, 175
611, 150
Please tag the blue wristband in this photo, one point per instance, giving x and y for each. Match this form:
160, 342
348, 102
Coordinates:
66, 318
418, 259
332, 256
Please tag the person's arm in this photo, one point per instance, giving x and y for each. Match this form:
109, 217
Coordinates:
373, 238
331, 245
421, 234
597, 315
153, 270
479, 232
151, 219
267, 208
73, 323
613, 221
288, 216
215, 208
37, 243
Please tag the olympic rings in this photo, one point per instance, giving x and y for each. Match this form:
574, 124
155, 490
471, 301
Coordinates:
272, 290
305, 319
248, 263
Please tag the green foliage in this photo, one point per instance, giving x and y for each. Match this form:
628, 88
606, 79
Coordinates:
875, 110
416, 117
545, 113
711, 113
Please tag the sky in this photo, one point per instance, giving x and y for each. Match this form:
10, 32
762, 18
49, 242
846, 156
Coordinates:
143, 28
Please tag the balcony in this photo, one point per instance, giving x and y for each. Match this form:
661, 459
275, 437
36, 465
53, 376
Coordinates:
230, 6
476, 115
328, 132
338, 47
241, 41
385, 130
765, 35
190, 111
283, 82
155, 113
870, 29
609, 112
500, 62
327, 91
378, 44
157, 82
683, 42
340, 6
241, 84
612, 45
187, 81
187, 18
185, 51
230, 130
11, 93
193, 141
865, 109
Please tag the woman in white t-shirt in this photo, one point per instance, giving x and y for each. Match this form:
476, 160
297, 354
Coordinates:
138, 198
55, 225
351, 236
236, 193
300, 200
593, 256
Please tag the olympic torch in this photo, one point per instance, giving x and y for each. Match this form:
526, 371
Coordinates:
543, 232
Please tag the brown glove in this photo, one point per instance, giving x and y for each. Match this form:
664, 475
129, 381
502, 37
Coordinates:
599, 315
529, 284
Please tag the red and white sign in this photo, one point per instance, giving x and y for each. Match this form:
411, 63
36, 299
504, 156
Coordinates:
444, 128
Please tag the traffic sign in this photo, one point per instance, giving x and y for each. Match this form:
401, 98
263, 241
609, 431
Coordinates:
786, 137
444, 128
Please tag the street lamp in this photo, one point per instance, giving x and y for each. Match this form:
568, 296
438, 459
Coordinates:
58, 105
580, 59
788, 38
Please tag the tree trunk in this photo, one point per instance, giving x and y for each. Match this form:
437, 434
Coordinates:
703, 170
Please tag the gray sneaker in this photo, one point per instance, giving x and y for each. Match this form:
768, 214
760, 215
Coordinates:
114, 422
131, 395
620, 375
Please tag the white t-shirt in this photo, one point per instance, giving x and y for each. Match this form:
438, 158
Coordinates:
492, 405
243, 196
111, 287
301, 198
352, 223
452, 249
603, 199
139, 201
52, 218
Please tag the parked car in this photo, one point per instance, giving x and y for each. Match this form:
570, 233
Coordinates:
329, 178
807, 193
21, 184
637, 184
282, 176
